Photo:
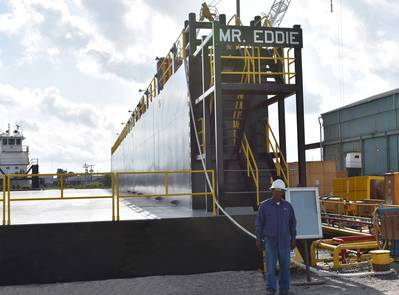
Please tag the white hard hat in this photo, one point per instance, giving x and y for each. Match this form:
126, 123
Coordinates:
278, 184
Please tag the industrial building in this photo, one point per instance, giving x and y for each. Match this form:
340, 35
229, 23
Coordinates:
369, 127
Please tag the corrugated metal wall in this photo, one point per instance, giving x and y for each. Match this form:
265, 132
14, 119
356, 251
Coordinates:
370, 127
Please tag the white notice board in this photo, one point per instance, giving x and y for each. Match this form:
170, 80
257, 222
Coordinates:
305, 201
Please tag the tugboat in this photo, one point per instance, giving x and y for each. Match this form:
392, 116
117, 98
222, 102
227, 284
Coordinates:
14, 159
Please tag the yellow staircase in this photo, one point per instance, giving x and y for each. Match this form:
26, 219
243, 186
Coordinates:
273, 149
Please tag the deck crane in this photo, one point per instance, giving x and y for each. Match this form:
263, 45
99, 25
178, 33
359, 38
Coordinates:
276, 14
209, 10
273, 18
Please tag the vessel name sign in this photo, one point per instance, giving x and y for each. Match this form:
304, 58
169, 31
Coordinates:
272, 37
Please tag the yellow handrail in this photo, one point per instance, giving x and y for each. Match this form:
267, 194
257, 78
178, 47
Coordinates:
61, 177
252, 166
167, 192
211, 64
201, 134
114, 196
252, 65
280, 162
238, 107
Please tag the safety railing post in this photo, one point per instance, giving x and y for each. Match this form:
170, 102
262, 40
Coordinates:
62, 185
113, 196
166, 183
4, 199
117, 196
253, 64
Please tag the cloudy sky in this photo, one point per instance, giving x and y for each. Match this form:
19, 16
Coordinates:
70, 70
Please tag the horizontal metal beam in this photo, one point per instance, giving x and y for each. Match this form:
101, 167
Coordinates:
270, 101
264, 88
200, 25
312, 146
203, 25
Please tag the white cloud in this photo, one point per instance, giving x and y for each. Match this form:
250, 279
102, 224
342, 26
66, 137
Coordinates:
59, 132
115, 43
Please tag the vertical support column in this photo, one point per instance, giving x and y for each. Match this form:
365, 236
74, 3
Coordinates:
300, 116
300, 122
206, 118
267, 131
281, 127
192, 75
218, 110
191, 34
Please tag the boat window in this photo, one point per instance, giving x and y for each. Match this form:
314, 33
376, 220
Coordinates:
18, 141
4, 141
16, 167
7, 168
11, 141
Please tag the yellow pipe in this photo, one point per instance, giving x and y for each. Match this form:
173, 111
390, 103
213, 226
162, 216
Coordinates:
336, 249
327, 246
350, 246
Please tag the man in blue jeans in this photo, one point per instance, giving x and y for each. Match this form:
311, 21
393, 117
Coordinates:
276, 226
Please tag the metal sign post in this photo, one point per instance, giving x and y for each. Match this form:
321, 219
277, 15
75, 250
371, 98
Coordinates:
305, 201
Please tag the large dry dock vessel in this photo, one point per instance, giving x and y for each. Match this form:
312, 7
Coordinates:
229, 74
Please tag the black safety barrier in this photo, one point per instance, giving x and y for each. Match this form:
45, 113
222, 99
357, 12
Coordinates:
47, 253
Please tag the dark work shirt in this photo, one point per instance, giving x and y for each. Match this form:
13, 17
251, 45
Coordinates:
276, 223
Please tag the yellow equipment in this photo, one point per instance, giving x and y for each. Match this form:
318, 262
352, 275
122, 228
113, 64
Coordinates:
381, 260
345, 251
359, 187
364, 208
